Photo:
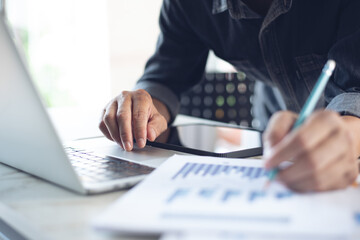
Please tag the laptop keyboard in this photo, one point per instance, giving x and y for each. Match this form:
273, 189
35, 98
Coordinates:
93, 168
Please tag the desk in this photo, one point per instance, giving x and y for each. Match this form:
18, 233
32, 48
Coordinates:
51, 211
43, 210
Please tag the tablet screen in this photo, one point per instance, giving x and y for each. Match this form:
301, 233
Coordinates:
215, 139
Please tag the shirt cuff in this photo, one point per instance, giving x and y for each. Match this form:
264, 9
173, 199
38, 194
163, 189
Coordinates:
346, 104
163, 94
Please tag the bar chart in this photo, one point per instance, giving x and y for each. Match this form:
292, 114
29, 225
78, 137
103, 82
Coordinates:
206, 170
224, 196
188, 193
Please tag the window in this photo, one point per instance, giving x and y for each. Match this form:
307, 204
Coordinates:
66, 43
83, 52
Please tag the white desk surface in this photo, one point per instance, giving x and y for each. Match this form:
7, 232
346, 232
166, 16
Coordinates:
54, 212
43, 210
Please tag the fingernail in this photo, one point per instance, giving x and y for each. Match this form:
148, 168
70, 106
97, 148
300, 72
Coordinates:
267, 152
128, 146
141, 142
266, 156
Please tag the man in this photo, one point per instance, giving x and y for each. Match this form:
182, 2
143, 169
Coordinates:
283, 44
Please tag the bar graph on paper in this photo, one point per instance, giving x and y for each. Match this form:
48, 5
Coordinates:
251, 193
225, 196
213, 170
191, 193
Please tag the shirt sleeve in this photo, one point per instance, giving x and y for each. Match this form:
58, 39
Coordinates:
179, 59
343, 90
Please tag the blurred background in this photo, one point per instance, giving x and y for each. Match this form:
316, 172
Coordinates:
82, 53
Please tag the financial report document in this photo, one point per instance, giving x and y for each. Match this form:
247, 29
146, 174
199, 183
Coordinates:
207, 194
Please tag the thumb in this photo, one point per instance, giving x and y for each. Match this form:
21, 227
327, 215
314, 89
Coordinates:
157, 124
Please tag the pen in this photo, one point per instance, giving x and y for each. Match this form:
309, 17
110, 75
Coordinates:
309, 105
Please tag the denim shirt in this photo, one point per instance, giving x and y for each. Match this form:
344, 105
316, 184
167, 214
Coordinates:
283, 51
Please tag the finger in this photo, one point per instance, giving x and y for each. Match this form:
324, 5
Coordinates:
278, 127
104, 130
314, 162
142, 103
275, 132
102, 126
317, 128
157, 125
110, 122
124, 116
352, 174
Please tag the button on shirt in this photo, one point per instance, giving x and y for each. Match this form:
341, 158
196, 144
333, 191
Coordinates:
283, 51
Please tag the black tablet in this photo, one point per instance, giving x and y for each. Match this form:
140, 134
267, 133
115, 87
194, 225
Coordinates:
211, 140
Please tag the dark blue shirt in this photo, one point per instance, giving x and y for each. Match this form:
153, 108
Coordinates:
283, 51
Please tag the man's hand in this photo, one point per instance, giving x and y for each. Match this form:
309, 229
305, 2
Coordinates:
324, 150
134, 115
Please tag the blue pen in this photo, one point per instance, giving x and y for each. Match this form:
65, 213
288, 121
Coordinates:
310, 104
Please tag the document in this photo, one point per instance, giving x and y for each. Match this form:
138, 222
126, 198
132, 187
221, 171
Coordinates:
241, 236
251, 236
207, 194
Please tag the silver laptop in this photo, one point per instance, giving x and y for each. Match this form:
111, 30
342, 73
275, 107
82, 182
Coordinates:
29, 142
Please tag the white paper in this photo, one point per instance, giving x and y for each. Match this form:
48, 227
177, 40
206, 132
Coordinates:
254, 236
205, 194
240, 236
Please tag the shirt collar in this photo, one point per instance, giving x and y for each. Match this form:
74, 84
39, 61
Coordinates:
240, 10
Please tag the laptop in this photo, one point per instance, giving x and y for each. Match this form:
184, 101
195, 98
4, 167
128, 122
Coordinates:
29, 142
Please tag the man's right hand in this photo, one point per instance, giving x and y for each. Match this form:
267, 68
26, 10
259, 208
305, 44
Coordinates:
134, 115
